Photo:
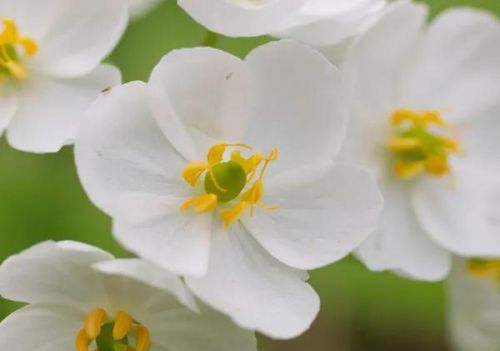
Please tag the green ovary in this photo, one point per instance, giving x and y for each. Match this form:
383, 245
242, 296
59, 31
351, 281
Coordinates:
230, 176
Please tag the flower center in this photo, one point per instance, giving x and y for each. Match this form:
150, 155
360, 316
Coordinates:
112, 335
12, 47
236, 179
485, 269
417, 146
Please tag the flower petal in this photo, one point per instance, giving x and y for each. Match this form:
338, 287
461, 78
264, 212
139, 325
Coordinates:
178, 242
58, 273
323, 23
454, 63
323, 214
123, 158
376, 62
254, 289
73, 36
462, 214
132, 172
240, 18
50, 111
43, 328
151, 275
299, 105
400, 244
473, 310
209, 92
209, 331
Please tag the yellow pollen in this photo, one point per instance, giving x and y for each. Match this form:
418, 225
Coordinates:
485, 269
109, 334
227, 181
11, 64
416, 148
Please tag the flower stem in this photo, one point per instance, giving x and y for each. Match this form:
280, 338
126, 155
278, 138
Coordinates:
211, 39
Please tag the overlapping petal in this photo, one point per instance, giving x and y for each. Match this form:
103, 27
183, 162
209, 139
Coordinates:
253, 288
50, 111
73, 36
324, 213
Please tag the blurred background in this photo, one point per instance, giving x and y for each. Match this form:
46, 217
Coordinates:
41, 198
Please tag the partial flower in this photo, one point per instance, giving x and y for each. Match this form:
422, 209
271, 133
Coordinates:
80, 298
317, 22
425, 108
50, 71
140, 8
474, 305
222, 170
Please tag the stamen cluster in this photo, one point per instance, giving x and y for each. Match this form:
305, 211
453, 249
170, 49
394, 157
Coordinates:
11, 64
112, 335
416, 148
228, 180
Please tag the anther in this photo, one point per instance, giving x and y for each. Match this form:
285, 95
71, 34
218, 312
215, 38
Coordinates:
93, 323
143, 339
123, 323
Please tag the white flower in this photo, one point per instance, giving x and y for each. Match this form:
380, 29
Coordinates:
170, 162
317, 22
474, 306
50, 66
79, 296
139, 8
426, 118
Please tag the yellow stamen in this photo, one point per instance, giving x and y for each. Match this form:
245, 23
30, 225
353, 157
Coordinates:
10, 41
418, 149
29, 45
437, 165
403, 115
237, 174
10, 33
82, 341
233, 214
93, 323
192, 172
402, 144
201, 204
485, 268
123, 323
143, 339
407, 170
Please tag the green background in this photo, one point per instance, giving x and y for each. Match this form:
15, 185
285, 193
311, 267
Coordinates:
41, 198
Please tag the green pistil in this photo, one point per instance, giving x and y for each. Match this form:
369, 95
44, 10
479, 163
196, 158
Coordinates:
105, 341
230, 176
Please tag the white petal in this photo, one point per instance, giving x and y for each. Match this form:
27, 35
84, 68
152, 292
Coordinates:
73, 36
209, 92
50, 110
323, 214
149, 274
131, 171
400, 244
8, 107
123, 158
239, 18
299, 105
375, 63
458, 56
473, 310
182, 330
254, 289
178, 242
463, 213
58, 273
322, 23
41, 328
